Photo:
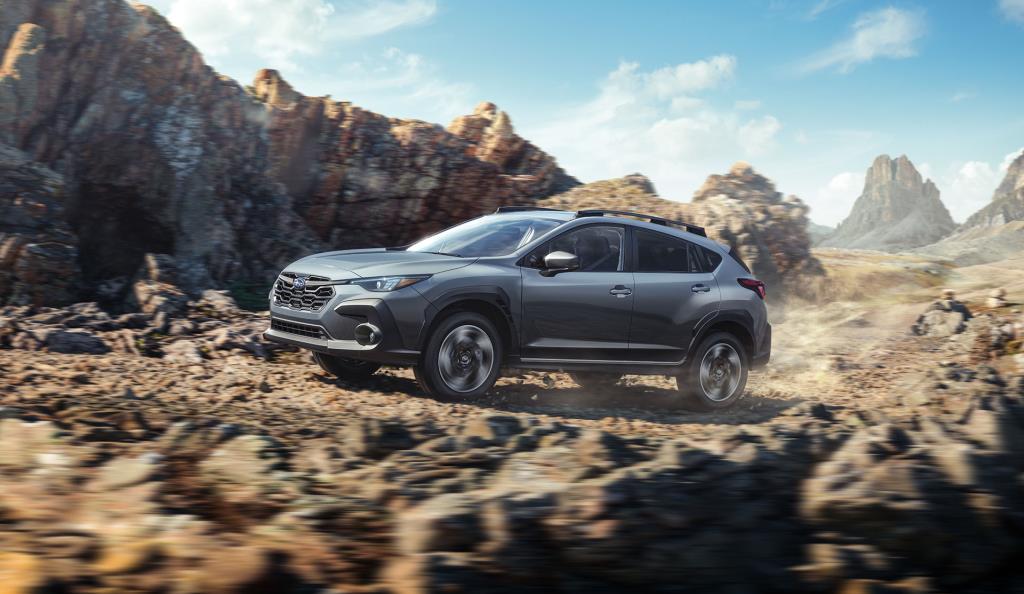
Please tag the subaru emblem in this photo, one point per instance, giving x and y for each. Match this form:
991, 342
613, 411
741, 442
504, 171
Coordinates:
299, 283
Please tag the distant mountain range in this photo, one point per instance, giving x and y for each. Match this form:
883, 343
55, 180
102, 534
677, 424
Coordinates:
898, 211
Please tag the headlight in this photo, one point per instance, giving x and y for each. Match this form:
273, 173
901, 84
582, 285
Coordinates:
386, 284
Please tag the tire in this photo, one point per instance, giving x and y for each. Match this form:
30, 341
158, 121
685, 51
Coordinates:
462, 358
593, 380
350, 370
717, 374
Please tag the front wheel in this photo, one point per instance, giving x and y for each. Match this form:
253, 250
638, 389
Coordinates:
343, 368
716, 375
462, 359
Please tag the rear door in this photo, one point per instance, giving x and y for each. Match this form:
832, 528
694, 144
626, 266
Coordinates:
584, 314
674, 292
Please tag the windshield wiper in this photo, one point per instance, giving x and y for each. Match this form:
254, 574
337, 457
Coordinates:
443, 254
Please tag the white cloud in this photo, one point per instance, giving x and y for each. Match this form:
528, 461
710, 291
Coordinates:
670, 124
968, 186
885, 33
1012, 9
403, 84
757, 136
1008, 159
747, 104
834, 200
961, 96
821, 7
303, 39
278, 32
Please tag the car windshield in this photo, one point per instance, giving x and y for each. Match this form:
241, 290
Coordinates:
494, 235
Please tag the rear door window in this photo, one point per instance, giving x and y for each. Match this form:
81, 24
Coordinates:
657, 252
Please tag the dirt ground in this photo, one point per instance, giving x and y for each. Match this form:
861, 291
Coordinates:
236, 449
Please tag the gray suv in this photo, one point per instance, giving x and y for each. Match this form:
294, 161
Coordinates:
595, 293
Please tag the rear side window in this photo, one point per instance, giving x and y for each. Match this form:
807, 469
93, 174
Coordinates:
709, 259
739, 260
661, 253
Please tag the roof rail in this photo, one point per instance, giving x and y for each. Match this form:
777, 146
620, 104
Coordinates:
507, 209
600, 212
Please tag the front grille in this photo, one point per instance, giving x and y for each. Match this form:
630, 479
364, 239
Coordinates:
307, 330
313, 297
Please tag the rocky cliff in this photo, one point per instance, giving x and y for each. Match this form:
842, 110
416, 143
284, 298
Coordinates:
335, 159
157, 153
897, 210
1007, 201
740, 208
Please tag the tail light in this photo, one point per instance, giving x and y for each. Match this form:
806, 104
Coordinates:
754, 285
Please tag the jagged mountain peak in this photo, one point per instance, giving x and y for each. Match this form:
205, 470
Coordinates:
897, 209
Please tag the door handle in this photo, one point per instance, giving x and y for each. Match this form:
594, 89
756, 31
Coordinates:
700, 288
621, 291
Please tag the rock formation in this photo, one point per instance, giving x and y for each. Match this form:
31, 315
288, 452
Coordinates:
741, 209
38, 251
897, 210
407, 178
160, 154
1007, 202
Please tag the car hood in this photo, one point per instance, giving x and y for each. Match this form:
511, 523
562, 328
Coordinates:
375, 262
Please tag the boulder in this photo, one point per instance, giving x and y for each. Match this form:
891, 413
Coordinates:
942, 318
75, 341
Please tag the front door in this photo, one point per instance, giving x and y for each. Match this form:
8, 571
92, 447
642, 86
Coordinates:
584, 314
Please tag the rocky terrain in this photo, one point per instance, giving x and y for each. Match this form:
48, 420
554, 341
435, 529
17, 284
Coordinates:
740, 208
897, 210
132, 144
173, 450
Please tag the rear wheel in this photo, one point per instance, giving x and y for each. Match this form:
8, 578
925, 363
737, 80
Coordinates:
594, 380
343, 368
716, 375
462, 358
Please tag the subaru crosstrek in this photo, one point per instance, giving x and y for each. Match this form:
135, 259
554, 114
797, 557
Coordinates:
595, 293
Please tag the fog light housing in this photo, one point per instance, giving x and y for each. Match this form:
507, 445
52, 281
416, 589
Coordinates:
368, 335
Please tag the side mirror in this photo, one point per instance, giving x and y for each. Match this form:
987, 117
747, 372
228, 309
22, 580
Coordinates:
556, 262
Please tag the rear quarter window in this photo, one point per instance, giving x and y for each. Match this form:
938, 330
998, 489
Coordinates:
709, 259
735, 256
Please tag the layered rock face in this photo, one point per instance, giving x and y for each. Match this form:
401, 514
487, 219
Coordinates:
160, 154
38, 251
741, 209
361, 178
897, 210
1007, 202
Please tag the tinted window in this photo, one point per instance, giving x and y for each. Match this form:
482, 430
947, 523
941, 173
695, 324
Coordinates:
599, 248
661, 253
709, 259
735, 256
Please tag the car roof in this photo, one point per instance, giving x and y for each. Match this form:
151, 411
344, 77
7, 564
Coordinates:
619, 217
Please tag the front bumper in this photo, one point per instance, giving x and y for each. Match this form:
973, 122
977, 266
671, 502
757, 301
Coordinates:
764, 349
332, 331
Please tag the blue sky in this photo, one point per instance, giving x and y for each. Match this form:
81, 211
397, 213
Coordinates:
809, 92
